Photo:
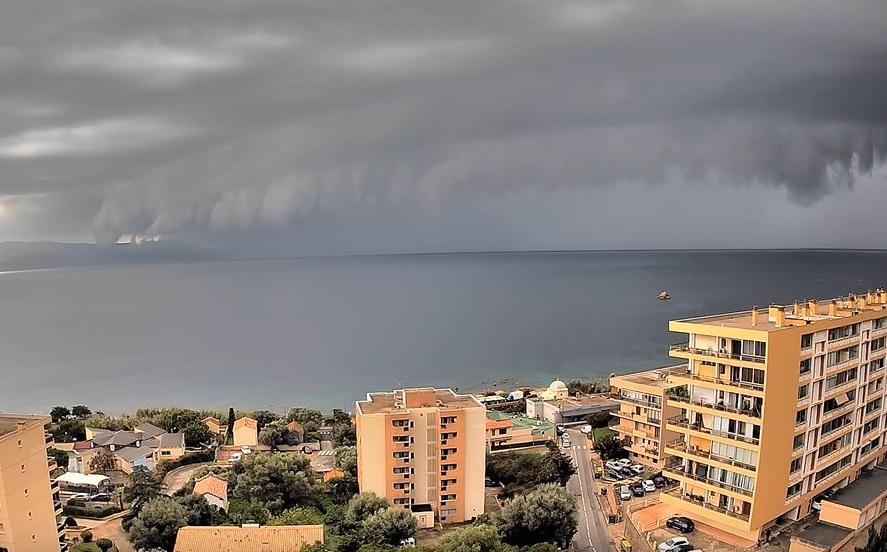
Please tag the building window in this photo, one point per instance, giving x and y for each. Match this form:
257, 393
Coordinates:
806, 340
843, 355
796, 465
19, 443
844, 331
870, 425
23, 468
793, 490
805, 366
27, 493
839, 401
872, 406
800, 417
825, 472
878, 344
798, 442
876, 365
834, 425
803, 391
880, 323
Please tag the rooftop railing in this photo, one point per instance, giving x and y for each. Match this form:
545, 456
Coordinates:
685, 348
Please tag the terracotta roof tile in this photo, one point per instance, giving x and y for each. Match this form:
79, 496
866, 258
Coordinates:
246, 422
213, 485
285, 538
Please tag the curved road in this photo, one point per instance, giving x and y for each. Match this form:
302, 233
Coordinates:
592, 534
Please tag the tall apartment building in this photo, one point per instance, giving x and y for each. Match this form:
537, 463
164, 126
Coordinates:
425, 450
781, 405
30, 506
643, 409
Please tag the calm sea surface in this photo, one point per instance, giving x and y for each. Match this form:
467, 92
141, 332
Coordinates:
322, 332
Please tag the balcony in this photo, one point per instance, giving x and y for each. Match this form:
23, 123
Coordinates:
639, 402
879, 331
679, 448
636, 417
842, 341
844, 409
687, 498
642, 450
680, 424
678, 474
838, 366
715, 408
684, 348
754, 387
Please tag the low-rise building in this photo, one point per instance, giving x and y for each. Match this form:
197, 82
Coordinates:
506, 431
557, 406
214, 489
642, 410
248, 538
246, 432
214, 425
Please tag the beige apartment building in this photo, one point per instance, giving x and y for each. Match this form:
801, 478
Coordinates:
643, 409
424, 449
30, 506
782, 404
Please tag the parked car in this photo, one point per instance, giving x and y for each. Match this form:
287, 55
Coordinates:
649, 486
637, 489
246, 449
684, 548
100, 497
235, 457
637, 468
624, 493
627, 472
560, 429
613, 465
306, 449
817, 502
567, 444
672, 544
615, 475
660, 481
681, 523
625, 462
586, 429
80, 496
489, 482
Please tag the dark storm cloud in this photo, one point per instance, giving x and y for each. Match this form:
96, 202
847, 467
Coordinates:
214, 118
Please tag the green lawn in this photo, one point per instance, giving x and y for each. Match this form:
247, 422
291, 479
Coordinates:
602, 432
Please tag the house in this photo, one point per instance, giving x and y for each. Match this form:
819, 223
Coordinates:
298, 429
144, 446
170, 447
148, 431
246, 432
248, 538
333, 474
129, 458
214, 425
214, 489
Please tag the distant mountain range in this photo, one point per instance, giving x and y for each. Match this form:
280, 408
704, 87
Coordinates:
37, 255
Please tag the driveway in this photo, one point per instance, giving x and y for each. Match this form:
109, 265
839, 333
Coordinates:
176, 479
113, 530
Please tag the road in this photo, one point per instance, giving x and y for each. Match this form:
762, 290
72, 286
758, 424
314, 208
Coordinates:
592, 534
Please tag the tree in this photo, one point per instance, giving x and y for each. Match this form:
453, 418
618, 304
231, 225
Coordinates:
103, 461
264, 417
557, 467
279, 481
598, 419
344, 435
157, 524
361, 507
310, 419
346, 459
610, 447
244, 511
230, 433
514, 467
197, 509
877, 541
104, 544
197, 434
389, 526
68, 431
341, 489
59, 413
60, 456
297, 516
474, 538
277, 433
141, 488
86, 536
547, 514
81, 412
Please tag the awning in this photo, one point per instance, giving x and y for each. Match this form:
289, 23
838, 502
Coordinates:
82, 480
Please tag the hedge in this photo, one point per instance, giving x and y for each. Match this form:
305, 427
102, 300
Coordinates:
191, 458
95, 513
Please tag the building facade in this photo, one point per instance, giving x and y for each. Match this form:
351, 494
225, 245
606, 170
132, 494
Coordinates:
424, 449
508, 431
643, 409
30, 506
782, 405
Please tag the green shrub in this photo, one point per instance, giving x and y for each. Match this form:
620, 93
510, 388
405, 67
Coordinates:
191, 458
94, 513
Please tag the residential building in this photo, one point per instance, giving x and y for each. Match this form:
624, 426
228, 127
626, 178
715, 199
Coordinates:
506, 431
642, 411
557, 406
144, 446
248, 538
30, 506
214, 425
170, 446
424, 449
246, 432
797, 388
214, 489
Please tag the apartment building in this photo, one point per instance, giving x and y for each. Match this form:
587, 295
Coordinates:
424, 449
782, 404
30, 506
642, 398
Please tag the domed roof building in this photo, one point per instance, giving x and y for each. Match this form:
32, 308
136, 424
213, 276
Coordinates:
557, 390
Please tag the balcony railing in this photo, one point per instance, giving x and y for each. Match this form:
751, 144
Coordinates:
707, 481
636, 417
832, 343
689, 499
679, 421
842, 364
721, 381
682, 449
831, 414
639, 402
685, 348
750, 412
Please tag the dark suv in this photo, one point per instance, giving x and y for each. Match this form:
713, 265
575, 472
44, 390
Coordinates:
637, 489
681, 523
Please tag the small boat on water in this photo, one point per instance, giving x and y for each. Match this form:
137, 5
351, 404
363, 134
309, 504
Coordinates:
664, 296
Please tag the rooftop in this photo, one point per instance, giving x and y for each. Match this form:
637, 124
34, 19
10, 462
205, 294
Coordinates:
823, 534
599, 402
283, 538
423, 397
652, 378
799, 313
172, 440
869, 486
521, 422
10, 422
212, 484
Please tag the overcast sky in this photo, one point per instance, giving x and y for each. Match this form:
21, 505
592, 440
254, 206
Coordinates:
330, 126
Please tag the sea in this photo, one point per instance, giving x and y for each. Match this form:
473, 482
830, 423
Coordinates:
322, 332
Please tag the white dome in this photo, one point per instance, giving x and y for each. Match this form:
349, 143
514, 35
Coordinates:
557, 385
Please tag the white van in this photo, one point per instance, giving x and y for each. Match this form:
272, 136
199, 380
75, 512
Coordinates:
624, 493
